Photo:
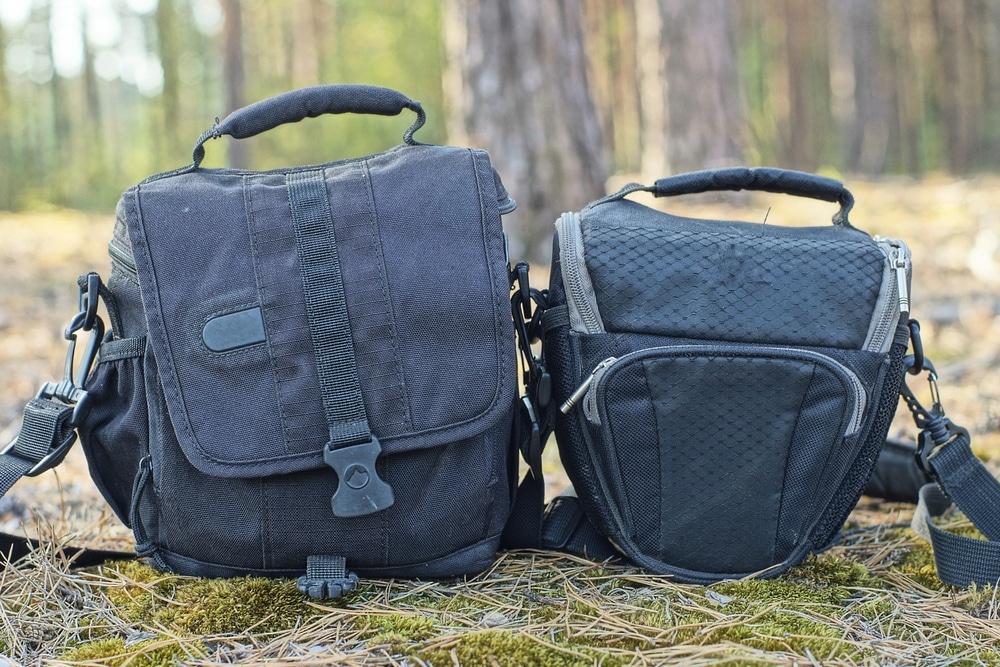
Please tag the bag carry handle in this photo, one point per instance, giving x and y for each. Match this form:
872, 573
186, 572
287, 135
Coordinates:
766, 179
296, 105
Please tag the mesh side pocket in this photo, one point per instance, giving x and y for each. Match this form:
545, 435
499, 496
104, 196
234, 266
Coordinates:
116, 430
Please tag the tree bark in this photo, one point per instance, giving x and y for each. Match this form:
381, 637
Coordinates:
167, 41
705, 113
517, 85
237, 154
958, 78
6, 149
868, 132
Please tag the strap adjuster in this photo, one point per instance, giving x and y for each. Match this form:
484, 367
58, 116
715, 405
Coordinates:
327, 577
44, 441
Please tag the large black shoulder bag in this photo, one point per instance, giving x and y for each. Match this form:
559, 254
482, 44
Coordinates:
721, 391
312, 365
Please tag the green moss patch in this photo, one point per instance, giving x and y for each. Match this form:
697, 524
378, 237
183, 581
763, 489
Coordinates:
207, 606
114, 652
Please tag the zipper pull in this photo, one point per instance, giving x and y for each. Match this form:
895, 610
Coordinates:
900, 263
590, 410
575, 397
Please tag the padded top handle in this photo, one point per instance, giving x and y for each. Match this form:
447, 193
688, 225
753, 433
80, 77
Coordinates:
767, 179
296, 105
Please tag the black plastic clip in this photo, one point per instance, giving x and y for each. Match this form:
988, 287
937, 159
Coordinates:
71, 390
936, 430
52, 458
360, 490
327, 577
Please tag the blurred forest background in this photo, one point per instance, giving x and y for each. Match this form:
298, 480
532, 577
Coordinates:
98, 94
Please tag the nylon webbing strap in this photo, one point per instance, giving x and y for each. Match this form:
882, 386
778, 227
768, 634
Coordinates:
352, 449
326, 308
964, 481
43, 428
15, 547
969, 484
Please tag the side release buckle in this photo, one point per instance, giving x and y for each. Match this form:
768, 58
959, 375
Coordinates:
360, 490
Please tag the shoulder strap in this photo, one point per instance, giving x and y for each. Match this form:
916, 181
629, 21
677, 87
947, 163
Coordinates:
944, 454
48, 427
15, 547
562, 525
352, 448
532, 423
963, 481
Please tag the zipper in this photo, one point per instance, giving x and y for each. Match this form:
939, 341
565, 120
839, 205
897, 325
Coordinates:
584, 387
122, 257
579, 290
589, 390
895, 300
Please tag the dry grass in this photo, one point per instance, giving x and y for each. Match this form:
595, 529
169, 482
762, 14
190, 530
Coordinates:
872, 600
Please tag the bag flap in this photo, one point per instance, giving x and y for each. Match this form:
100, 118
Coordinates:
423, 261
656, 273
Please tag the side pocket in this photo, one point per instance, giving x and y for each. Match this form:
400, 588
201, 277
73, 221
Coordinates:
116, 430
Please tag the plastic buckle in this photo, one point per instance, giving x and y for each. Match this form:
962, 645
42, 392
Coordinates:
327, 577
936, 430
72, 388
88, 300
360, 490
54, 457
531, 446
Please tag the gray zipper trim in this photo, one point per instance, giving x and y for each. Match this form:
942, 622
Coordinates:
584, 315
890, 303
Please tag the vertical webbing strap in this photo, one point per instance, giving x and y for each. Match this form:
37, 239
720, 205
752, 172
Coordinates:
326, 307
352, 448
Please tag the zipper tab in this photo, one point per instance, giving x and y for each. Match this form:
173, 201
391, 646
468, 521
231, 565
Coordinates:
900, 264
585, 385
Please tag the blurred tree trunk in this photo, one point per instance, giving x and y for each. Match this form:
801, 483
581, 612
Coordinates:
989, 59
233, 73
307, 54
610, 35
6, 149
517, 86
705, 117
651, 49
809, 121
867, 133
58, 142
897, 59
168, 45
959, 91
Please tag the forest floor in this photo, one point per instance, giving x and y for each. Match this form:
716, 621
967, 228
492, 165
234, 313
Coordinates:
872, 599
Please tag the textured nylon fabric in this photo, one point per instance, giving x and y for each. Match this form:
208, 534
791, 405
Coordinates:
410, 334
228, 444
961, 561
326, 309
749, 452
728, 281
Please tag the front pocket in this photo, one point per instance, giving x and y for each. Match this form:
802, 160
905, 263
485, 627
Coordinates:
740, 436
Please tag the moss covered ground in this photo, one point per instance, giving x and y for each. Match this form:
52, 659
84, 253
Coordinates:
865, 602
